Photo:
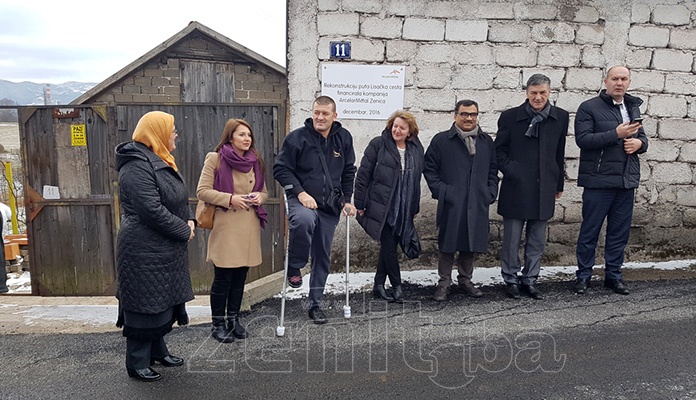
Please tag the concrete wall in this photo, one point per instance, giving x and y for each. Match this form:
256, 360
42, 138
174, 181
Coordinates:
485, 51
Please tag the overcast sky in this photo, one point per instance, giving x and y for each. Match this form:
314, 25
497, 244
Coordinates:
48, 41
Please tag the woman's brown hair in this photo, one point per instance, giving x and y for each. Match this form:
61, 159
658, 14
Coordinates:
230, 126
410, 121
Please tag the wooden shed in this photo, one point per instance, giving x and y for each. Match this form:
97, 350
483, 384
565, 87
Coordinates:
201, 77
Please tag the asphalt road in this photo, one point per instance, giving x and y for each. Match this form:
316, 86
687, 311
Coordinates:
598, 346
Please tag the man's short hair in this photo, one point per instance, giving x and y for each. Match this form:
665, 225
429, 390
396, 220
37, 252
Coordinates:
617, 66
538, 79
465, 103
325, 101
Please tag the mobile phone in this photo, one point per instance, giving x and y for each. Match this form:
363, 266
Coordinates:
250, 196
638, 120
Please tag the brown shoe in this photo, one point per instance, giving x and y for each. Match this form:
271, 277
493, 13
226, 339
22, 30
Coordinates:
441, 293
469, 288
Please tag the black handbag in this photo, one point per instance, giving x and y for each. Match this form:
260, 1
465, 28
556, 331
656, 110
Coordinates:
410, 243
335, 203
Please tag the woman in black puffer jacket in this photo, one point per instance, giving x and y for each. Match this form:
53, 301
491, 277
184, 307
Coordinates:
152, 251
387, 197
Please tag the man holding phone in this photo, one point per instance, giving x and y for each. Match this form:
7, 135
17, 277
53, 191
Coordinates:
609, 132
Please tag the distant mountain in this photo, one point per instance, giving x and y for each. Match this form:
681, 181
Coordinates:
30, 93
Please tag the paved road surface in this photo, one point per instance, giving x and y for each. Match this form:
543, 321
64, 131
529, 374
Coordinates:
597, 346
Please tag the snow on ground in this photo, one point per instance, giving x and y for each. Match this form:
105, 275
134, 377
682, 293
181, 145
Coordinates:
358, 282
361, 281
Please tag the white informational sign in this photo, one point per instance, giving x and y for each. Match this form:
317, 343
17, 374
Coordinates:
364, 91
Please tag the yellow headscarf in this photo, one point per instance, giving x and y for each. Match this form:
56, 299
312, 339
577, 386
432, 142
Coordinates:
154, 130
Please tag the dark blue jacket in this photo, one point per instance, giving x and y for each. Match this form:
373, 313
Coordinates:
298, 166
603, 162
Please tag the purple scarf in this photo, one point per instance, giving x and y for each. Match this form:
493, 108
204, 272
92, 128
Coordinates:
229, 160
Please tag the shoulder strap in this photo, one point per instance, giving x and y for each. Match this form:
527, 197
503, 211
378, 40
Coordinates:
323, 164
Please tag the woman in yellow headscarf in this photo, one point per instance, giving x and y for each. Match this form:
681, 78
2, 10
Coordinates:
152, 256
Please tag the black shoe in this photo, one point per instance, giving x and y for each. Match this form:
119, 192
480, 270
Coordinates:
617, 285
381, 293
581, 286
317, 315
222, 334
236, 328
294, 278
398, 294
532, 292
470, 290
145, 374
441, 293
512, 290
168, 361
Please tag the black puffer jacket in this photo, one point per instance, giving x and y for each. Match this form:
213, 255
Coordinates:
377, 178
152, 251
603, 162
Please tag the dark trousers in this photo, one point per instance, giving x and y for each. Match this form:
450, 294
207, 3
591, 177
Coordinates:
465, 268
3, 277
616, 206
388, 263
139, 352
227, 291
311, 234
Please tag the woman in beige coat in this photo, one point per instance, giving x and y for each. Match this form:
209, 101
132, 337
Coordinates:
233, 180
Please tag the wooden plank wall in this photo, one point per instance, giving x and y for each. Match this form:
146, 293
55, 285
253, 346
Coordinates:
200, 129
72, 240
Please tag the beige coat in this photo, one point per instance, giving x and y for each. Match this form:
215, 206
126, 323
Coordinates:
235, 240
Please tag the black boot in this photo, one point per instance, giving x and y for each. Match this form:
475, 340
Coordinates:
234, 304
236, 328
381, 293
217, 307
398, 294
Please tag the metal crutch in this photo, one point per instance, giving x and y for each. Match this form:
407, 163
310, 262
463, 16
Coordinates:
280, 329
346, 307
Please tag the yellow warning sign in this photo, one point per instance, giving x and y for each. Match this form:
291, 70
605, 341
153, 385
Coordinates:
79, 137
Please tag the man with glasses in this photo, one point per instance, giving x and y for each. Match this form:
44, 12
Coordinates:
461, 171
530, 145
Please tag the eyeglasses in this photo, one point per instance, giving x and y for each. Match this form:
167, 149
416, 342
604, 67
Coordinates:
466, 114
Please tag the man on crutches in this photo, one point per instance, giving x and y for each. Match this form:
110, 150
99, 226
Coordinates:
316, 168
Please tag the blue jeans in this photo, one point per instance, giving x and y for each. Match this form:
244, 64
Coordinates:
616, 206
311, 233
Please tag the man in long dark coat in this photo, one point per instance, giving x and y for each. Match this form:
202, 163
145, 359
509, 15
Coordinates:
530, 145
461, 171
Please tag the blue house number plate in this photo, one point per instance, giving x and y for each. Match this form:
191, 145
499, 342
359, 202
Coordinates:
340, 50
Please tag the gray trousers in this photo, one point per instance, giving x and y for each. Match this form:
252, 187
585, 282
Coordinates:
535, 241
465, 267
311, 233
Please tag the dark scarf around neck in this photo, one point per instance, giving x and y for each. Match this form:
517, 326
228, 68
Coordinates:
537, 117
223, 182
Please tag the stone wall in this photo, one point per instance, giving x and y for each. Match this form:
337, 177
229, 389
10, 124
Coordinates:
485, 51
